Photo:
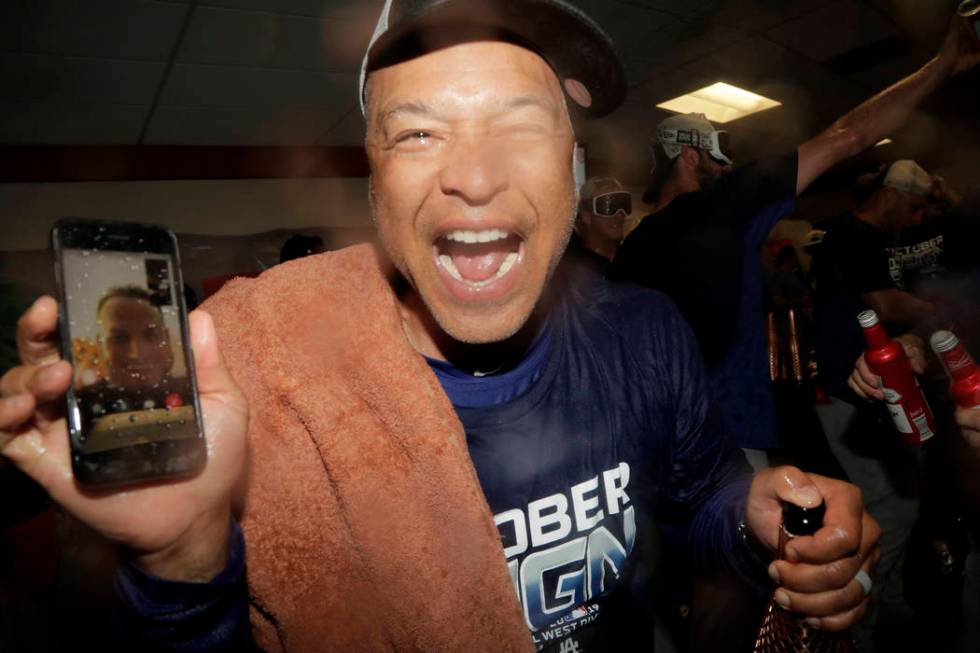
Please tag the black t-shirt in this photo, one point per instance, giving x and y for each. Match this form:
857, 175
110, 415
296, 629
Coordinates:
918, 258
692, 249
853, 260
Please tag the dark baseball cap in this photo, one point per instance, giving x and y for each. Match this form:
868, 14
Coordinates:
578, 50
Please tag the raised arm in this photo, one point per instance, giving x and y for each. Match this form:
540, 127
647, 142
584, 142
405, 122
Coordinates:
887, 111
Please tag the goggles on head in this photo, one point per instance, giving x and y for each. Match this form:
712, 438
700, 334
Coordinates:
716, 143
607, 205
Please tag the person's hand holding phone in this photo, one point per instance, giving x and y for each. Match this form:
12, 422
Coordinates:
175, 529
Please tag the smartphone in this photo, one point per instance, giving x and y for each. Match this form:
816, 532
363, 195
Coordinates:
133, 411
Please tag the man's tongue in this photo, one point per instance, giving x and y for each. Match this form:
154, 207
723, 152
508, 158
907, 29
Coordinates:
478, 261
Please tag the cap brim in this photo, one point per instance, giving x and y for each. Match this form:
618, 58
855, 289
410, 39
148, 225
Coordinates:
571, 42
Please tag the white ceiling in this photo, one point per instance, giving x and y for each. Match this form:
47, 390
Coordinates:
268, 72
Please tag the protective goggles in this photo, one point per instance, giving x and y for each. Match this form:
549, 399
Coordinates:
609, 204
717, 144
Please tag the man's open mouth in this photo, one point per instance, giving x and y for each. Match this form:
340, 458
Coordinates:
478, 258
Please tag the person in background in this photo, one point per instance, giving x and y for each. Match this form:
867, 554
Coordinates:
298, 246
937, 262
604, 205
942, 575
700, 244
855, 271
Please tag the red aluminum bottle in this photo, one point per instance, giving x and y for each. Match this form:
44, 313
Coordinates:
963, 371
903, 396
970, 12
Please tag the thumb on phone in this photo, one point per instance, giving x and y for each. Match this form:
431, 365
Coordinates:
213, 377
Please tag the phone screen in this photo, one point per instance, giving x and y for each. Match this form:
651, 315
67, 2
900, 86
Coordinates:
133, 412
131, 382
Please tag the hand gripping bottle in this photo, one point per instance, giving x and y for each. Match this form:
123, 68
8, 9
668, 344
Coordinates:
788, 632
963, 371
903, 396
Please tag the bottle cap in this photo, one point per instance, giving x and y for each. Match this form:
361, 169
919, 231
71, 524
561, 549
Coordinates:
803, 521
868, 318
943, 341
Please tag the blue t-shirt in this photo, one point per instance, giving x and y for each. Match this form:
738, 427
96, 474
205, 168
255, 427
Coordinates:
602, 428
605, 430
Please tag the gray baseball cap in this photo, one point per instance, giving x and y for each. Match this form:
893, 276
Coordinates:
576, 48
906, 175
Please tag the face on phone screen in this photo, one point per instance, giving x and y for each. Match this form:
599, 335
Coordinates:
131, 380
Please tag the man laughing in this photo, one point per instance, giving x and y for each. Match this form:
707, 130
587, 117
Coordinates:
464, 455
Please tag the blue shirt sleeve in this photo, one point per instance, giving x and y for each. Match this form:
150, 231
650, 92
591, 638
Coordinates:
162, 615
706, 487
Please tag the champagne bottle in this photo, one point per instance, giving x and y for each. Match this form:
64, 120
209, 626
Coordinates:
783, 631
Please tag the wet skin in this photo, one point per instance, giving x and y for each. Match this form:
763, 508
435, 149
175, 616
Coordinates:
471, 138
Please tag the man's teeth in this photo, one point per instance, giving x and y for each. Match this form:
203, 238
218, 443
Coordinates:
485, 236
447, 262
508, 263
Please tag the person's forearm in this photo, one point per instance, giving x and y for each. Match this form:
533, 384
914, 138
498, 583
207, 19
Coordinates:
874, 119
888, 110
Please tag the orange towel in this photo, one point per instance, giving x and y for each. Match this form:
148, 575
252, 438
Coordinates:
365, 524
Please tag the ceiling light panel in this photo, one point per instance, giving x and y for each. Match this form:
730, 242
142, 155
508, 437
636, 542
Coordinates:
720, 102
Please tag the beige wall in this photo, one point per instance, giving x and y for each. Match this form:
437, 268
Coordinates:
213, 207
